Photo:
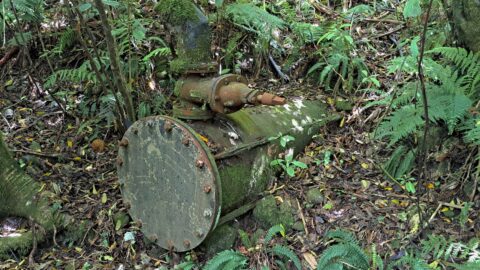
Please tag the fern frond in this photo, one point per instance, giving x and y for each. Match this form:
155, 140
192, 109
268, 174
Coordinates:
341, 236
401, 161
279, 228
225, 257
400, 124
468, 63
283, 251
450, 108
467, 266
253, 18
412, 262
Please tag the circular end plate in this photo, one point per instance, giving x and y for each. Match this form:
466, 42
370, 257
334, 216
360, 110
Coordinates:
170, 182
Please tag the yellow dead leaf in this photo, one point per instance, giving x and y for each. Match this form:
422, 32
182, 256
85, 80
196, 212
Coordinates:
9, 82
77, 158
365, 184
279, 199
364, 165
381, 203
447, 220
430, 186
444, 209
342, 123
388, 188
205, 139
404, 203
94, 190
69, 143
414, 223
310, 259
396, 202
104, 198
433, 265
330, 101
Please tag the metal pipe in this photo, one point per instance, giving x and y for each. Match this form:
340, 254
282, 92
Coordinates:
179, 178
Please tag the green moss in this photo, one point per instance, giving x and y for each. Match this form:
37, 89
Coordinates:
268, 213
20, 245
314, 196
222, 238
177, 12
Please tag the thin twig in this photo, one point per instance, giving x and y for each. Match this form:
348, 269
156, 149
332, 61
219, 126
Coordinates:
421, 77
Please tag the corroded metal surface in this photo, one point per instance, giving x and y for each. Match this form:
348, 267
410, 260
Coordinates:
223, 94
170, 178
170, 182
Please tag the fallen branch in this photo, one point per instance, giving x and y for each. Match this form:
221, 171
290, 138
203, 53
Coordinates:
9, 55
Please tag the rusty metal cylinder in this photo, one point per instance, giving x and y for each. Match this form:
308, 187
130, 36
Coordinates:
180, 178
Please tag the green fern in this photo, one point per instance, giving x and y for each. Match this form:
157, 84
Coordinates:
400, 162
400, 124
409, 262
279, 228
283, 251
467, 266
438, 248
254, 19
466, 62
30, 10
345, 254
228, 258
336, 66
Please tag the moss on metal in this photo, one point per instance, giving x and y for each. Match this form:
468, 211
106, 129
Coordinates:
192, 33
243, 179
268, 213
466, 18
177, 11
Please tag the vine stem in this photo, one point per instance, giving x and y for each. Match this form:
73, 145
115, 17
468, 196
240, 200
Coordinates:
421, 77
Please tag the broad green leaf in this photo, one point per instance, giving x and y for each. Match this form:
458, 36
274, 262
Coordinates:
410, 187
414, 47
111, 3
285, 139
299, 164
412, 9
218, 3
290, 171
84, 7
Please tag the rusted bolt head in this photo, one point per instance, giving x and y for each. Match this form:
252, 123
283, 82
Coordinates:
207, 188
124, 142
207, 213
198, 233
119, 161
185, 141
199, 163
168, 126
153, 237
186, 243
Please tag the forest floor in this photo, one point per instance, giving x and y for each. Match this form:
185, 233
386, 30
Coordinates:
342, 163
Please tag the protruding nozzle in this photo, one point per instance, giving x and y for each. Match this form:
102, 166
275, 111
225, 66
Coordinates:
271, 99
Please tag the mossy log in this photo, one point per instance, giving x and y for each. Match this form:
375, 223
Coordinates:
466, 19
20, 197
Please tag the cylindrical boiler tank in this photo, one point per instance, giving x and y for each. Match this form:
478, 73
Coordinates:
179, 178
